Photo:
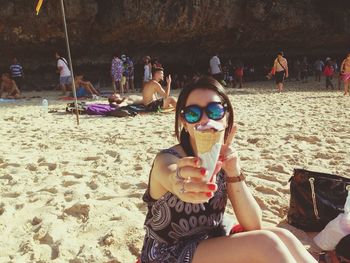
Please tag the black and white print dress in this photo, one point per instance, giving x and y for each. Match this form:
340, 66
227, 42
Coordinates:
174, 228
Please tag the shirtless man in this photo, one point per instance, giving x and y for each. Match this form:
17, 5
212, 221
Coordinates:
152, 88
280, 66
8, 85
84, 88
345, 71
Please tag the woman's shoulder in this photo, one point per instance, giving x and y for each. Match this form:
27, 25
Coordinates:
174, 151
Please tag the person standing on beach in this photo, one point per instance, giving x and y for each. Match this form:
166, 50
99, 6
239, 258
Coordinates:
65, 74
345, 73
17, 74
329, 72
147, 73
304, 70
152, 89
318, 68
8, 85
130, 79
280, 66
215, 68
117, 73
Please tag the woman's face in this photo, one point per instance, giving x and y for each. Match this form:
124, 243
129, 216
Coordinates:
202, 97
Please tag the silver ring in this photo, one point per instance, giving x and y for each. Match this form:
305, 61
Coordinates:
178, 175
182, 189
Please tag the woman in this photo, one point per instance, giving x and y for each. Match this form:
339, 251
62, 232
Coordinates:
184, 219
345, 71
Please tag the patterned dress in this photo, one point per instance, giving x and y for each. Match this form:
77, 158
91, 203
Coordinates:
174, 228
117, 69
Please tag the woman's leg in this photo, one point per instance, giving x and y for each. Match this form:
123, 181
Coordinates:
346, 87
294, 246
258, 246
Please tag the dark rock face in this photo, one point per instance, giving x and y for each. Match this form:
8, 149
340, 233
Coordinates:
178, 31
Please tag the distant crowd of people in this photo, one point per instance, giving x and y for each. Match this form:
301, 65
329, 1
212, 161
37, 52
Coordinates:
230, 74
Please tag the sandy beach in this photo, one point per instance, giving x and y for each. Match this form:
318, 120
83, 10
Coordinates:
74, 194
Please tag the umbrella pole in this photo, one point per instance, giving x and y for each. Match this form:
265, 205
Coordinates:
70, 60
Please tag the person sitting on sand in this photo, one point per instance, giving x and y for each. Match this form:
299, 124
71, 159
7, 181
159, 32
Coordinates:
8, 85
184, 222
84, 88
345, 73
152, 89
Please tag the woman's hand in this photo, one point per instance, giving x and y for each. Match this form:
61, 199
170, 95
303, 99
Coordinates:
189, 181
229, 156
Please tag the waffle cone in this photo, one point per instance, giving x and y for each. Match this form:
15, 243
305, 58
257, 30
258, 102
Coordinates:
205, 140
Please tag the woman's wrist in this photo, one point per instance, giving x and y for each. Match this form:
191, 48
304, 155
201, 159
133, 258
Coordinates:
233, 173
235, 179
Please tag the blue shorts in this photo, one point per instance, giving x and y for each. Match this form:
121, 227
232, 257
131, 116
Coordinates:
67, 80
82, 92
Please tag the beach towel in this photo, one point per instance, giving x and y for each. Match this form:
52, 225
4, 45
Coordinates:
8, 100
99, 109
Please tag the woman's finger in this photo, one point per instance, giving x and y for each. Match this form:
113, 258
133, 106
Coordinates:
189, 161
188, 171
195, 187
231, 136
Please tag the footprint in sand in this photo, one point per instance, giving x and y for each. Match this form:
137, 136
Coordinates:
138, 167
76, 175
50, 166
78, 210
125, 186
6, 177
112, 153
92, 184
325, 156
5, 165
2, 208
69, 183
11, 195
311, 139
32, 167
267, 190
92, 158
276, 168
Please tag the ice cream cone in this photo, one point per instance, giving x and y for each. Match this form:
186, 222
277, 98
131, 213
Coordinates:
206, 139
208, 144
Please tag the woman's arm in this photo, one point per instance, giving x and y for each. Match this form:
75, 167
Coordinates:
245, 207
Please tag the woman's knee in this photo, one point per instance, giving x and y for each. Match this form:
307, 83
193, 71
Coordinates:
282, 233
271, 247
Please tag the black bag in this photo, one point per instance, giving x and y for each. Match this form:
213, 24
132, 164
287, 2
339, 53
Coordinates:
315, 199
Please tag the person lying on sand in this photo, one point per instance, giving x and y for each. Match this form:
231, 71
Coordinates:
117, 100
185, 211
152, 89
84, 88
8, 85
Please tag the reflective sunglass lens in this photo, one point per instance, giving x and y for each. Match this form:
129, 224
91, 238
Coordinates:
192, 114
215, 111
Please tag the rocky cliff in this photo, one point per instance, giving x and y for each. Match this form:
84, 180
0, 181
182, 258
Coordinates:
178, 31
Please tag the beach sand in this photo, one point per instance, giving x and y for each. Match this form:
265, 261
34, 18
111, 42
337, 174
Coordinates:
74, 194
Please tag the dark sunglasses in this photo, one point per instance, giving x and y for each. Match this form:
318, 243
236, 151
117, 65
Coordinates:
214, 110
